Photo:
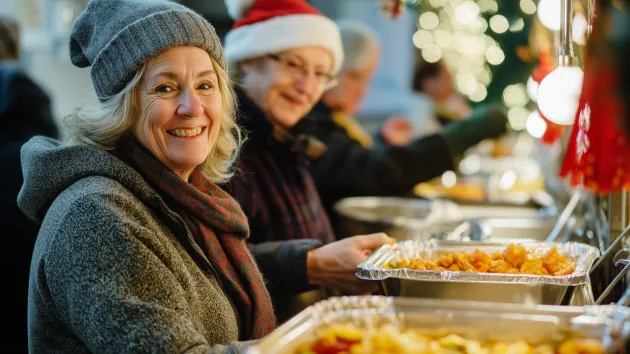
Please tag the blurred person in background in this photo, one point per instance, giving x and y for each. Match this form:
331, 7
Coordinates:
283, 54
434, 103
25, 111
356, 164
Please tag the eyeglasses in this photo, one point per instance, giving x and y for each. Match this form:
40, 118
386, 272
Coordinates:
296, 68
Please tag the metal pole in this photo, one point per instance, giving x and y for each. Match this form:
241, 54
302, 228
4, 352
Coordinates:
567, 55
618, 213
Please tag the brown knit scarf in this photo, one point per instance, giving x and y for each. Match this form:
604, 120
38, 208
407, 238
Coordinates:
220, 227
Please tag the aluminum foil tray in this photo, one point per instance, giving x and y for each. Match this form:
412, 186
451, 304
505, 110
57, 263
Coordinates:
610, 324
573, 289
373, 268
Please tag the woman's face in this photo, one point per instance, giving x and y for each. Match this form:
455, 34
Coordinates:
180, 108
287, 85
353, 84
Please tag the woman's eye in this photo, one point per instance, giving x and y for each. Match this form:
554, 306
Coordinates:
164, 89
205, 87
293, 64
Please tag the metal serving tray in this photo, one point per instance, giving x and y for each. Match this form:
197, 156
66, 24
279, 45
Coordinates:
574, 289
416, 219
610, 324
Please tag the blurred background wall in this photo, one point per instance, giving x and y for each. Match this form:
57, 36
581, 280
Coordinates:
491, 47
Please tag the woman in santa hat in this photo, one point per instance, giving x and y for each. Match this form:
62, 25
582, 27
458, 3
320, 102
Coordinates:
285, 54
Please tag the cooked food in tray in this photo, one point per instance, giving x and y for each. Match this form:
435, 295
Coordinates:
389, 339
515, 259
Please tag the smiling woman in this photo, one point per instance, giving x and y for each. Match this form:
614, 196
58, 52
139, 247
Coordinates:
286, 53
139, 250
178, 90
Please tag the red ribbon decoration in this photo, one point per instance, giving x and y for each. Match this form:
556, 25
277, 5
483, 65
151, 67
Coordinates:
598, 154
393, 8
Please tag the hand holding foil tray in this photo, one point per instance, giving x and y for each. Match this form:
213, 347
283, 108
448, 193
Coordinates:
574, 289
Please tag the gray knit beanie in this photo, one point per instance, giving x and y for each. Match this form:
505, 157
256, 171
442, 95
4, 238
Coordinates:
116, 37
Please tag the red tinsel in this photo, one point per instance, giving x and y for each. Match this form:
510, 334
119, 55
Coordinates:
598, 154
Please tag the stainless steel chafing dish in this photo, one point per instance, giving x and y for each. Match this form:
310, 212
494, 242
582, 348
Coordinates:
610, 324
574, 289
417, 219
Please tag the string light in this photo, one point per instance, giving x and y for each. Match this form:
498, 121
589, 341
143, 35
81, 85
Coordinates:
466, 12
532, 89
535, 125
517, 25
488, 6
432, 53
422, 38
429, 21
549, 14
515, 95
443, 38
495, 56
528, 6
438, 3
559, 93
456, 31
479, 94
580, 25
517, 117
499, 24
449, 179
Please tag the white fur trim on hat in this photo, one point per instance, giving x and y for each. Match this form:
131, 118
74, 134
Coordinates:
283, 33
238, 8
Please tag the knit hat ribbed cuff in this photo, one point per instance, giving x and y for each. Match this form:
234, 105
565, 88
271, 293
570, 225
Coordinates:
123, 56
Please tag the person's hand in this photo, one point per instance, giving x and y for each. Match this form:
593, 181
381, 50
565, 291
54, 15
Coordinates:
397, 131
334, 265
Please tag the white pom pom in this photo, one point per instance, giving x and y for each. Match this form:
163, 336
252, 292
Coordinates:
238, 8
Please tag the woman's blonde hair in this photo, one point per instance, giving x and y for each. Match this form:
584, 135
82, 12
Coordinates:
103, 125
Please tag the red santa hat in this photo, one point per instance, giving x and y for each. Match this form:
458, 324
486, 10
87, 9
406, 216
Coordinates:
269, 26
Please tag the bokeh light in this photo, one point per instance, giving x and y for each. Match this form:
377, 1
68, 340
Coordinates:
515, 95
517, 25
495, 56
449, 179
528, 6
443, 38
535, 125
422, 38
517, 117
431, 53
499, 24
466, 12
429, 21
479, 94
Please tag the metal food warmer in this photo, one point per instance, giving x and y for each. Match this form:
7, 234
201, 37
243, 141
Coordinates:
609, 325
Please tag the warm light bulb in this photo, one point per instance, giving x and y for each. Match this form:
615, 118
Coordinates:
449, 179
549, 14
535, 125
580, 26
532, 89
559, 93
